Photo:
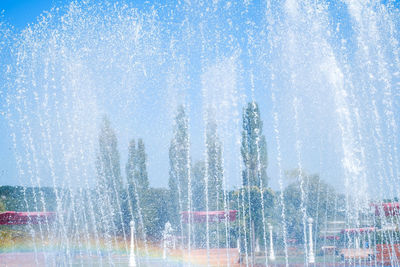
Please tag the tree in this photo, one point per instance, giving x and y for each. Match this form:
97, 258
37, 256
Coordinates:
2, 206
214, 170
130, 174
254, 175
254, 147
213, 180
136, 170
199, 202
251, 210
141, 177
154, 210
179, 160
109, 180
138, 185
198, 186
320, 199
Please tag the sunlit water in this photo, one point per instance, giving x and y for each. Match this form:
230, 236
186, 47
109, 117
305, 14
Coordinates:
325, 74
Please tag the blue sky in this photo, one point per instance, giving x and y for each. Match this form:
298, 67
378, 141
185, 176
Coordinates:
22, 12
18, 14
302, 70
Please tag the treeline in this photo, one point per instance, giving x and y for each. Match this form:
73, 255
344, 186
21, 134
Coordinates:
19, 198
116, 199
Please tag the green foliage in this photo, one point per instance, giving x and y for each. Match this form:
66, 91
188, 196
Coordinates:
2, 206
154, 212
198, 186
207, 190
254, 148
255, 198
320, 200
214, 170
157, 206
18, 198
381, 237
388, 200
179, 159
130, 174
109, 180
251, 202
108, 160
141, 177
136, 172
148, 204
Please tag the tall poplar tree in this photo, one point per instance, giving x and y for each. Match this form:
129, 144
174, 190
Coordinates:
179, 160
198, 186
130, 174
138, 184
254, 148
141, 177
214, 173
254, 175
213, 180
109, 181
136, 169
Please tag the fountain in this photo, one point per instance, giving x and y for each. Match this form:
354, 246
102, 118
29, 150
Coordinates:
311, 257
271, 246
167, 239
132, 259
230, 119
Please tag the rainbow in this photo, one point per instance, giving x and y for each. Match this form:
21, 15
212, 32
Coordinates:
92, 251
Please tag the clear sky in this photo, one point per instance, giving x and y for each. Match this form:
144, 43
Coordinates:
308, 58
22, 12
18, 14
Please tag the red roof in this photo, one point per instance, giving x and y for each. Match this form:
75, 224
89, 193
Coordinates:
389, 209
213, 216
23, 218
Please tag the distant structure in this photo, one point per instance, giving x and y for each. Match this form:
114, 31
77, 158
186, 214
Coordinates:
24, 218
211, 216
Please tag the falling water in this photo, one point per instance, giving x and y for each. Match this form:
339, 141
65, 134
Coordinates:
325, 75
